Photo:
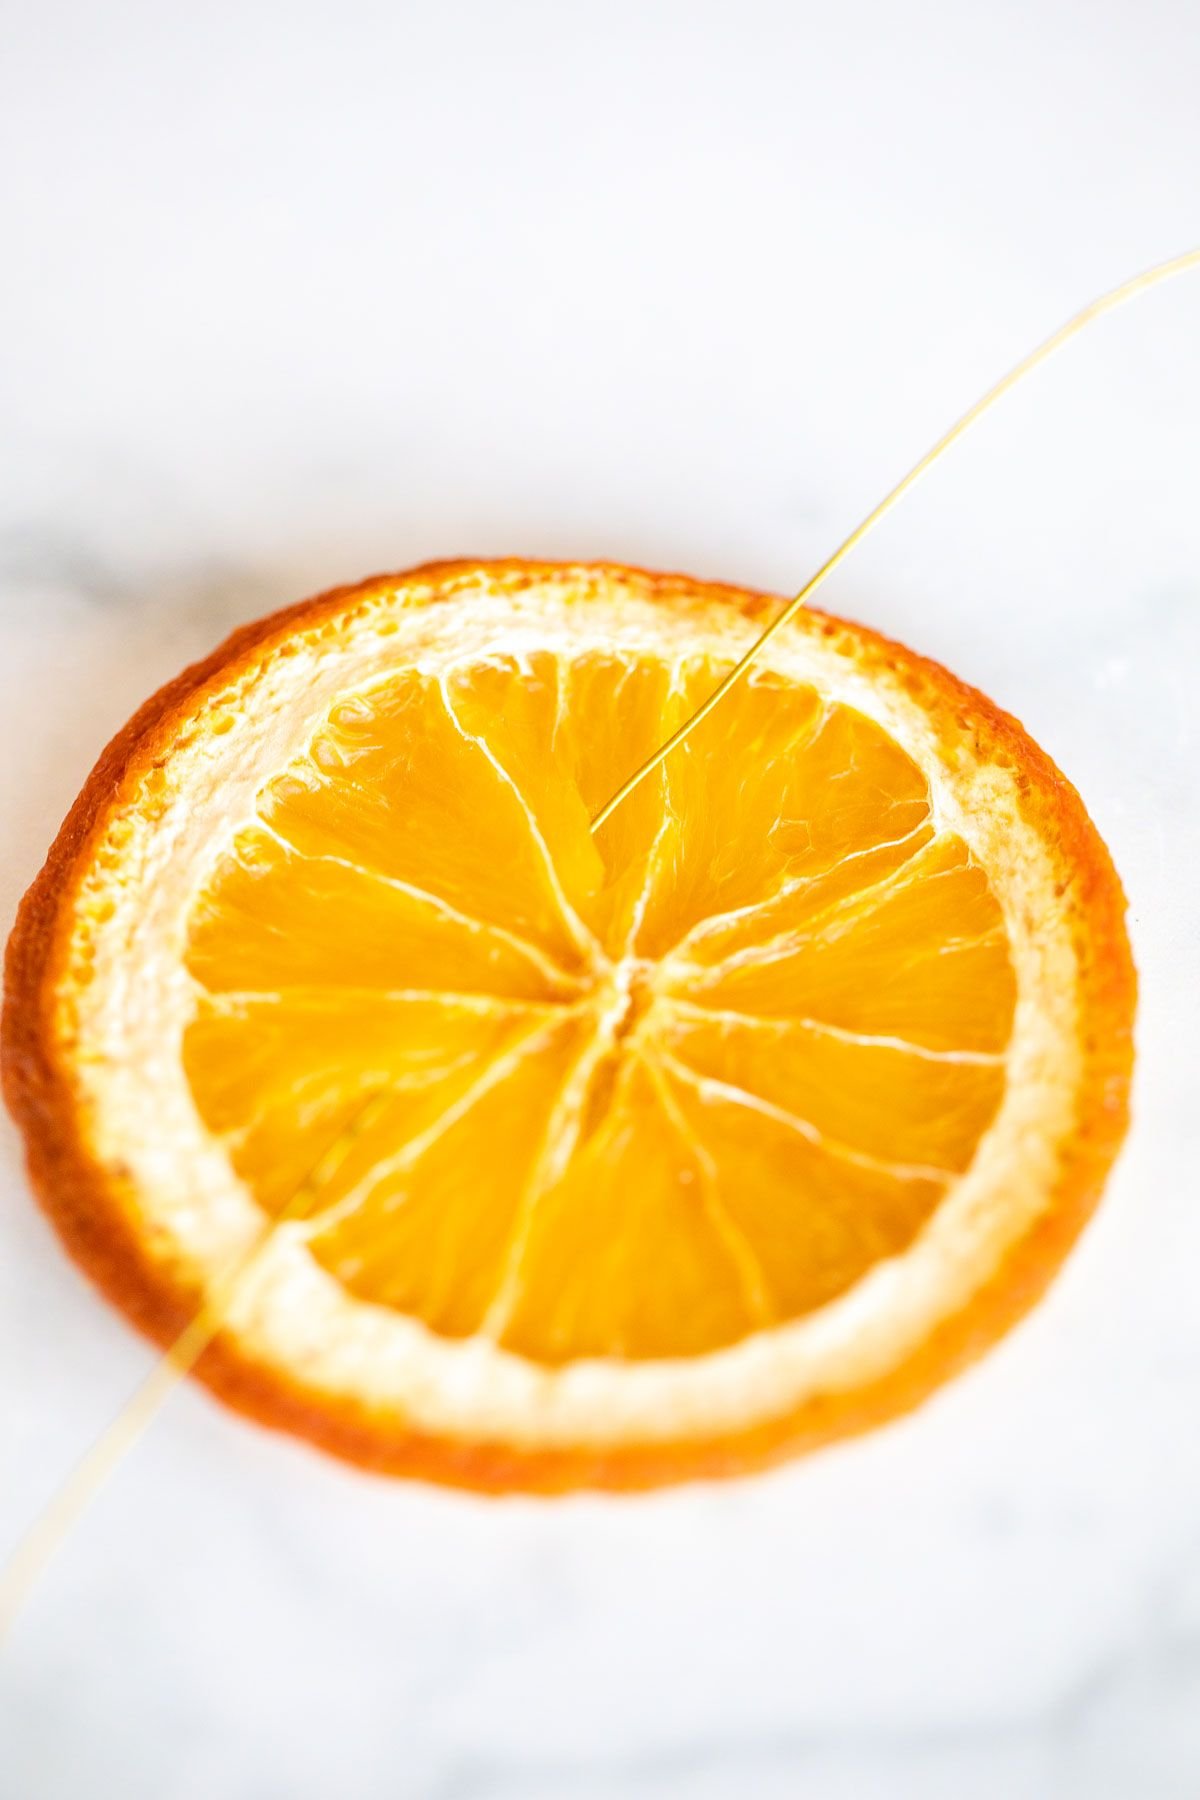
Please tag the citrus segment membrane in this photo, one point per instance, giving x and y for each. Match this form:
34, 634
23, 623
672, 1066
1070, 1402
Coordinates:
640, 1096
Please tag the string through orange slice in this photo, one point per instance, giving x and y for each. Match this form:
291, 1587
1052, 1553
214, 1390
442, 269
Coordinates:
1105, 303
673, 1081
68, 1505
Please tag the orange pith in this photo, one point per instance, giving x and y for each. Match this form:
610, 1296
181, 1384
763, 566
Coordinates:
829, 1023
646, 1094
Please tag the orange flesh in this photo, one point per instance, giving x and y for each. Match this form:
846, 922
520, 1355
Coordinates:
636, 1096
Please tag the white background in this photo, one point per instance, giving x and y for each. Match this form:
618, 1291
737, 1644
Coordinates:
291, 293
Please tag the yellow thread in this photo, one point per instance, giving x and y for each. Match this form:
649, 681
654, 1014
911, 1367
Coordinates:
81, 1486
1116, 297
49, 1530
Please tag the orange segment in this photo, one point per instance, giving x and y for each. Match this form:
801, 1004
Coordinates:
884, 1097
395, 784
595, 1157
274, 917
567, 731
434, 1226
814, 1214
281, 1078
812, 788
920, 954
631, 1254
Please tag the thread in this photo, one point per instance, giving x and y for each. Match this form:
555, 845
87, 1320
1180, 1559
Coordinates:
1115, 297
53, 1525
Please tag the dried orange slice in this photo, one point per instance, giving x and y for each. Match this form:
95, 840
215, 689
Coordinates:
598, 1160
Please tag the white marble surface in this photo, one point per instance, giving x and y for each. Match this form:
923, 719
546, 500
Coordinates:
295, 292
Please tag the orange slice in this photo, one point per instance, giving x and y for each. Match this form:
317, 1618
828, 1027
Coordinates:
596, 1160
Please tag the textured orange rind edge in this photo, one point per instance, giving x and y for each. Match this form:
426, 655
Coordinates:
81, 1200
